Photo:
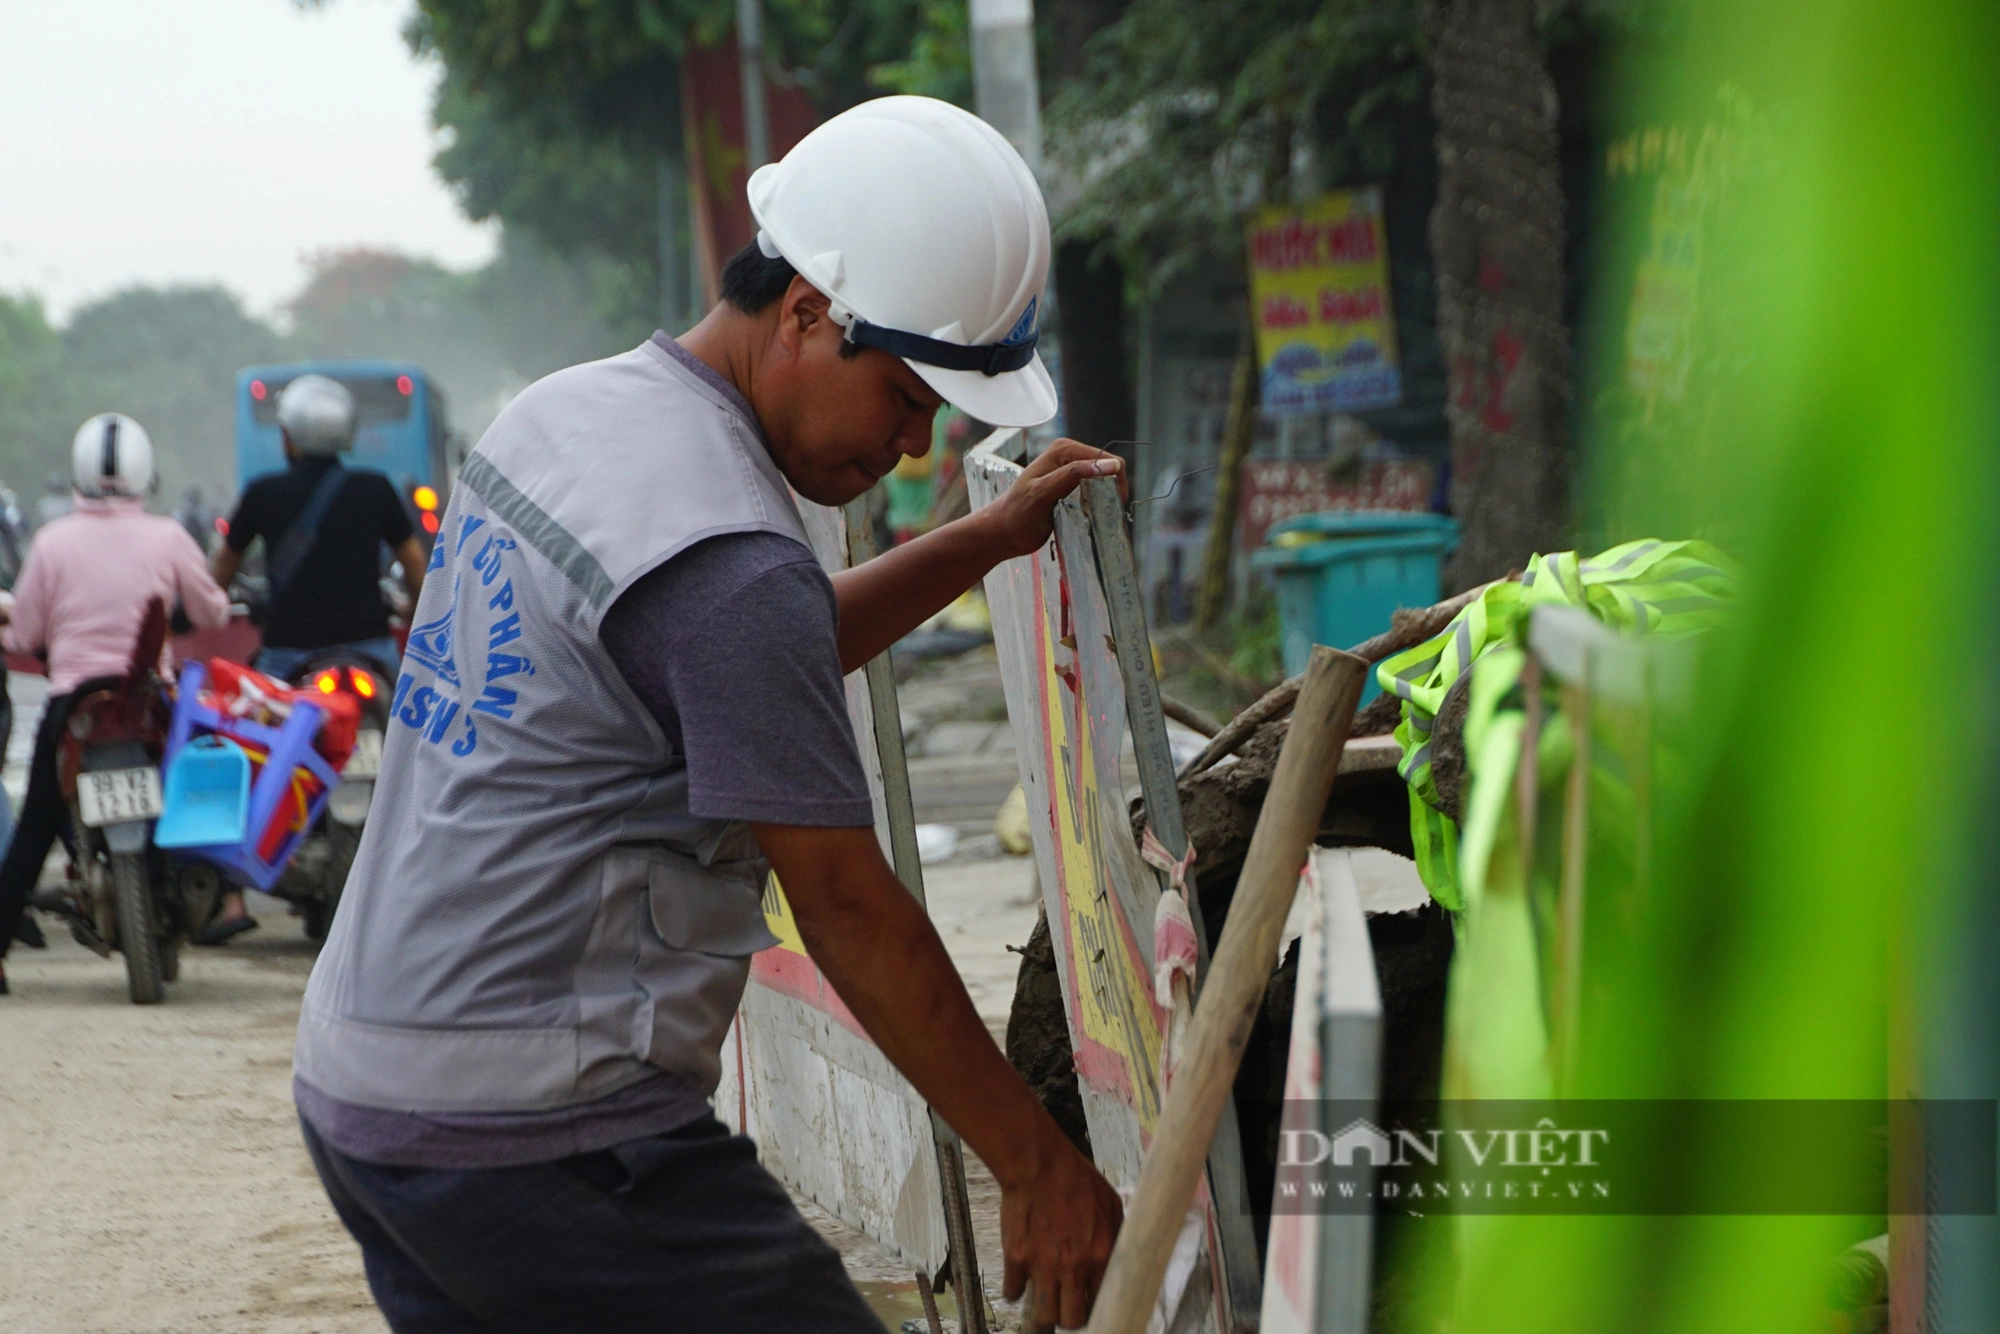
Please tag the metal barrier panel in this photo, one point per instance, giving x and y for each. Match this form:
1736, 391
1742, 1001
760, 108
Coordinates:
833, 1119
1318, 1267
1060, 665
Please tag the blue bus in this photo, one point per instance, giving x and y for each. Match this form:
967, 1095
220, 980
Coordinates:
402, 429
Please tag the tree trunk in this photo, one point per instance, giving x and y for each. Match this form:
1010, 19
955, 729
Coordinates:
1497, 244
1090, 308
1098, 404
1239, 431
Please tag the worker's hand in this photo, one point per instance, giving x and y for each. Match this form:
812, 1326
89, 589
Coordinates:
1057, 1227
1023, 518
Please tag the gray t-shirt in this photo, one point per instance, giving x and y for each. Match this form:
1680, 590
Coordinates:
733, 647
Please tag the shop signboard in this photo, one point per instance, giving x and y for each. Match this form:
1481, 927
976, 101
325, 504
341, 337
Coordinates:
1319, 295
1278, 489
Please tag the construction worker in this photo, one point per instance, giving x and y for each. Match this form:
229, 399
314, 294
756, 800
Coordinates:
621, 700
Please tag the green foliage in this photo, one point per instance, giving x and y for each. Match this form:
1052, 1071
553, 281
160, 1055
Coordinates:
1256, 640
1685, 345
169, 356
561, 111
31, 359
543, 174
1812, 897
607, 69
1192, 114
939, 60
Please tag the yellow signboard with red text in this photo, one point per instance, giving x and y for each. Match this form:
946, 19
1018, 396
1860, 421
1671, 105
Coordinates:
1319, 293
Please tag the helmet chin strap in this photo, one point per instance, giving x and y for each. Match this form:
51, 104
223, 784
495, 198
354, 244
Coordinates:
987, 358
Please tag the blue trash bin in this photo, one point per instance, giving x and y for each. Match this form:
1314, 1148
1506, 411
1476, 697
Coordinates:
1341, 575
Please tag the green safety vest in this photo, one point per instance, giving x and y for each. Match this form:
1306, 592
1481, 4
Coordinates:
1649, 587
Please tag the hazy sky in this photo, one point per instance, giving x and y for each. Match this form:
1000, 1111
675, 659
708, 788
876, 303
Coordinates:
154, 141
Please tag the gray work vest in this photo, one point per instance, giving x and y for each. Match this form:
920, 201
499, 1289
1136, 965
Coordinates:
534, 918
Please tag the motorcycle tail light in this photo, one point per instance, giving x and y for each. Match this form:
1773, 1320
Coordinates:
364, 684
327, 681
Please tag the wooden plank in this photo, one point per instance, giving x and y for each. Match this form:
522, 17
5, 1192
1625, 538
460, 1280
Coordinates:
1066, 705
1132, 647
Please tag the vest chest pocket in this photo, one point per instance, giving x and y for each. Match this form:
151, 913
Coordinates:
706, 909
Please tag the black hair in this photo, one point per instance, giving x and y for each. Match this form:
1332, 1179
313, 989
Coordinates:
752, 280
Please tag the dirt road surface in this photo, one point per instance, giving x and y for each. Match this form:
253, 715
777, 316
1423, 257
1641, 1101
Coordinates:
151, 1175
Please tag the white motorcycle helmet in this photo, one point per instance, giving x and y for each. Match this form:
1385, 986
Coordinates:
111, 456
928, 235
317, 414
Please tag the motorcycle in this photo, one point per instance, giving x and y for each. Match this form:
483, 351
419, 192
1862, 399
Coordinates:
121, 892
318, 871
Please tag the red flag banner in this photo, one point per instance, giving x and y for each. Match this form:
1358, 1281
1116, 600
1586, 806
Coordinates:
718, 163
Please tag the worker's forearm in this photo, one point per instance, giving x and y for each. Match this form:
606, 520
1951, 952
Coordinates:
884, 958
884, 599
414, 559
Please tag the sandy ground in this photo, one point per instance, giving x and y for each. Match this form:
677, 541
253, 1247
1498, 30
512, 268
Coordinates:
151, 1174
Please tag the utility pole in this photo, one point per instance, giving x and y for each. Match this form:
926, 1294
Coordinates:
756, 112
1005, 90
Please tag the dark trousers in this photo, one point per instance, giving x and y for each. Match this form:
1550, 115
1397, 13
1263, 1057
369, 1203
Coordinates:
682, 1231
43, 818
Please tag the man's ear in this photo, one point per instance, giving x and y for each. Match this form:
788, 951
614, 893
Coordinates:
802, 313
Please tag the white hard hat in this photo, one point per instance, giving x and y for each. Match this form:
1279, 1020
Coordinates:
111, 456
317, 413
927, 233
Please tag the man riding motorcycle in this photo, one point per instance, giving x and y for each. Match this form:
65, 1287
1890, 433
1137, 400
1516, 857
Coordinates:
323, 528
80, 599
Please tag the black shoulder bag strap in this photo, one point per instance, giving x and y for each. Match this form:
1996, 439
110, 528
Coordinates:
296, 542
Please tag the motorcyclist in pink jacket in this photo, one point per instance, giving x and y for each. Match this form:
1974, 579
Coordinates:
79, 600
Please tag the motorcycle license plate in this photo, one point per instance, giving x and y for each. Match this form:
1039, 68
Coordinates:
113, 796
366, 761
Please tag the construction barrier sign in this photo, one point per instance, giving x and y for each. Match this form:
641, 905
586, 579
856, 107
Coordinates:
1319, 295
1067, 701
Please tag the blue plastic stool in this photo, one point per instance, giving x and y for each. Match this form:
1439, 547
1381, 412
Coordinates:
208, 795
290, 749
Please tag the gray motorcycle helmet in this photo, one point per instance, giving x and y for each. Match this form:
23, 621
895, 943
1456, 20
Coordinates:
317, 415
